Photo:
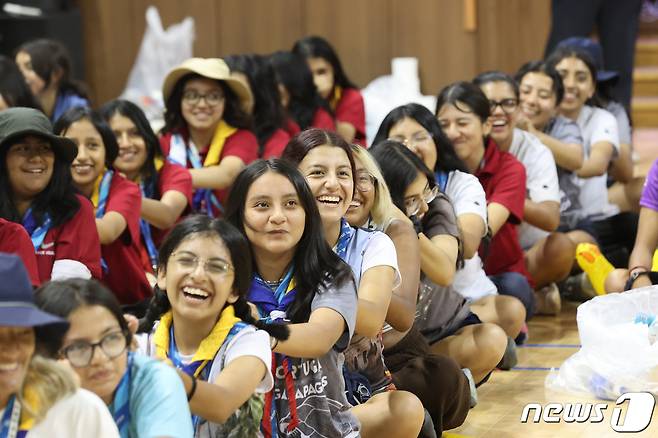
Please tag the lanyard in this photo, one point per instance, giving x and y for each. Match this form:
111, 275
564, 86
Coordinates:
104, 193
11, 419
37, 233
120, 407
346, 232
145, 229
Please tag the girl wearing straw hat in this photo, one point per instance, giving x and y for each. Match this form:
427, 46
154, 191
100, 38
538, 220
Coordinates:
207, 128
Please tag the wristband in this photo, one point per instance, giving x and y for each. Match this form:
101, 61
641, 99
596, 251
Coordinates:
636, 274
192, 390
273, 342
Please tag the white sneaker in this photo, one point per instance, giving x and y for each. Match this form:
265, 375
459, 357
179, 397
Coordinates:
547, 300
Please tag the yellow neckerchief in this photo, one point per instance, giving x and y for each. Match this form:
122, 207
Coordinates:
97, 185
209, 346
31, 399
337, 94
222, 132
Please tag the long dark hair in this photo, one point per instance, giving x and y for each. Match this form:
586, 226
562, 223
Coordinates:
446, 157
542, 67
293, 73
268, 113
234, 115
240, 252
318, 47
58, 200
62, 298
80, 113
148, 172
574, 52
13, 88
302, 143
400, 168
315, 262
47, 57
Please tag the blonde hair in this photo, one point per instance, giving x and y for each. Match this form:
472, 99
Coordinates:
45, 384
381, 213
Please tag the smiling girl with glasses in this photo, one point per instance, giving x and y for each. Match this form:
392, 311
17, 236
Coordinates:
200, 322
145, 397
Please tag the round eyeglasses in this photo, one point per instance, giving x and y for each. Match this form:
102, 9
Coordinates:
412, 205
80, 353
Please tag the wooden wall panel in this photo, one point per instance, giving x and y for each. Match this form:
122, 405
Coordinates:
433, 32
365, 33
511, 32
258, 26
359, 30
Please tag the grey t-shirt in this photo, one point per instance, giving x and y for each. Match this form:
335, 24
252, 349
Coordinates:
567, 131
439, 308
322, 407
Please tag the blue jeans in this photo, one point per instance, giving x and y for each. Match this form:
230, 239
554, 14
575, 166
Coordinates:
516, 285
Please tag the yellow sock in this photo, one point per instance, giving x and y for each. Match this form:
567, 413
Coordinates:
595, 265
654, 265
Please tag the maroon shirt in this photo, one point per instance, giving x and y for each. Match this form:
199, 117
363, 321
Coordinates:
503, 179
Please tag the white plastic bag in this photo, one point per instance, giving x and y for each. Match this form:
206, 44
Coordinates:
616, 354
161, 50
385, 93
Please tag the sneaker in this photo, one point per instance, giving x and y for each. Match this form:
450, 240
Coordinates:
577, 288
523, 335
471, 385
509, 359
547, 300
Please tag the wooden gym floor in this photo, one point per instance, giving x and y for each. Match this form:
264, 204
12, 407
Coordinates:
501, 400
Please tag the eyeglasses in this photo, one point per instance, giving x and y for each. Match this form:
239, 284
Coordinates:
416, 139
192, 97
507, 105
365, 182
190, 262
412, 205
80, 353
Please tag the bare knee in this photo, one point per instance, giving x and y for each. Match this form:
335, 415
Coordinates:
511, 312
616, 280
560, 251
406, 410
491, 342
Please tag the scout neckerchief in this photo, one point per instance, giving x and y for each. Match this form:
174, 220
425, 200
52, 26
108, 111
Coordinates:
336, 96
148, 191
120, 406
272, 306
346, 233
99, 198
165, 345
37, 232
441, 179
179, 152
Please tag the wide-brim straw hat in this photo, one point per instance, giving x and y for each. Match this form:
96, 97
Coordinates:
211, 68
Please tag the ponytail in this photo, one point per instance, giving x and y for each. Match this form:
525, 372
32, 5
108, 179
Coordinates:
158, 306
276, 330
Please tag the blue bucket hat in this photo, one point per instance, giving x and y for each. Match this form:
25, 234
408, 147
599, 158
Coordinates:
594, 50
17, 308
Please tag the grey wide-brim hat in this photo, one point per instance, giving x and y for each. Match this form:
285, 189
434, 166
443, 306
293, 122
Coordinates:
18, 122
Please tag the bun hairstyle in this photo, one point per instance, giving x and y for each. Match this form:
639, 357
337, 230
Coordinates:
238, 247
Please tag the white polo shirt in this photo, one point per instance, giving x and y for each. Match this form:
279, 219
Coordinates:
541, 179
467, 196
597, 125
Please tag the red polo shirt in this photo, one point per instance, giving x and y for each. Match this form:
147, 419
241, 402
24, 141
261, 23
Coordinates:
173, 177
350, 109
275, 145
321, 119
125, 275
503, 179
76, 239
15, 240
